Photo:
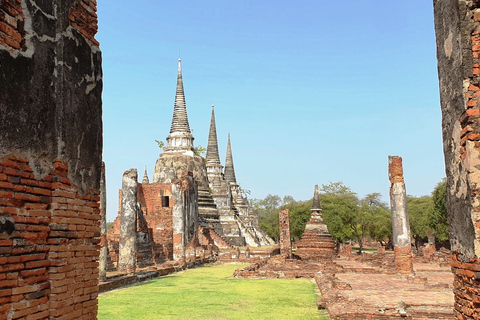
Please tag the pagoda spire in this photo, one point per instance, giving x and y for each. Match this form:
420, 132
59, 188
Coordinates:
145, 177
212, 156
180, 137
316, 202
229, 170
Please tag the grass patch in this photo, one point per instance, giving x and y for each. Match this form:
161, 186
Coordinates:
208, 293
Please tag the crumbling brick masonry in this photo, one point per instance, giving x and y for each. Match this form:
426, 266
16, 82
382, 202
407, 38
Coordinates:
457, 28
50, 159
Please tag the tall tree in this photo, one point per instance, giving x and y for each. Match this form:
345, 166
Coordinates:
339, 210
300, 212
419, 210
268, 214
374, 219
438, 219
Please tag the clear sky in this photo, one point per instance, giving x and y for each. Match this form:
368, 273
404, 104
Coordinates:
310, 91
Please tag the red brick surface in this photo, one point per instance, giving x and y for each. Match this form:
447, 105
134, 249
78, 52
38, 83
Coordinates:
284, 226
403, 260
12, 21
83, 17
48, 247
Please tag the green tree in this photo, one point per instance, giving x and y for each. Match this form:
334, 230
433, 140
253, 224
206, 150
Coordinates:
419, 210
300, 212
374, 220
267, 210
199, 150
339, 210
438, 219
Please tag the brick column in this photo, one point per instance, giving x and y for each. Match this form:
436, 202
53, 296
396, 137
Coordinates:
400, 224
102, 260
284, 225
127, 254
457, 29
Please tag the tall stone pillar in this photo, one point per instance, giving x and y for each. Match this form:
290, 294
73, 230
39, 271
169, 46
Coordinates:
127, 255
284, 225
457, 29
400, 224
102, 260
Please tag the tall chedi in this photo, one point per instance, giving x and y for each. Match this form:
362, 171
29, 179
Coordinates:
220, 190
316, 242
179, 156
214, 167
239, 201
246, 217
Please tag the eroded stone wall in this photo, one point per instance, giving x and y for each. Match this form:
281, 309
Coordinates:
50, 161
457, 28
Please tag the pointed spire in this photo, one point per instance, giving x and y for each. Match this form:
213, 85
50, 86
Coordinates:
229, 170
180, 119
180, 138
212, 146
316, 200
145, 177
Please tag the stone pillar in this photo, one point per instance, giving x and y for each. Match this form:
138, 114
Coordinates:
284, 225
102, 260
400, 224
127, 254
178, 221
457, 29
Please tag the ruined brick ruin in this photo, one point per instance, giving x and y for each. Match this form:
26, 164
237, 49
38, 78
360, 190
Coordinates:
190, 205
401, 237
285, 239
50, 159
457, 28
316, 242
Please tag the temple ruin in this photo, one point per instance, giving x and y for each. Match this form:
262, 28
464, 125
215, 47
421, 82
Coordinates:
190, 204
50, 159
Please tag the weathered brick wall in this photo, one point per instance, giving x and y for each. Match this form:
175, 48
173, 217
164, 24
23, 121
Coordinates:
158, 218
12, 23
457, 28
48, 249
50, 163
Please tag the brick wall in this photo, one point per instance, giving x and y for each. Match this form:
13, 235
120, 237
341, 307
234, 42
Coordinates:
158, 218
48, 249
12, 23
50, 163
83, 17
457, 28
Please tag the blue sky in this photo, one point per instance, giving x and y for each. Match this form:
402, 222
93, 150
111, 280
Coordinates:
310, 91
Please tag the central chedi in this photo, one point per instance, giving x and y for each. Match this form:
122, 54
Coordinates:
179, 158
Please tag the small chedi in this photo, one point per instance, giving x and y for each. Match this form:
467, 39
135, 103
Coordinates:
190, 209
316, 242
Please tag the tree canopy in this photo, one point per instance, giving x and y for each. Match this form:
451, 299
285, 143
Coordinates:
350, 218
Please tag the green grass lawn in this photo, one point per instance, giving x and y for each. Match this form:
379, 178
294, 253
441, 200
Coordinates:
208, 293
